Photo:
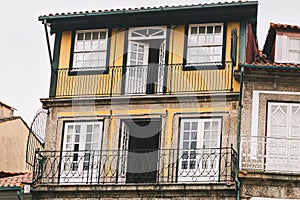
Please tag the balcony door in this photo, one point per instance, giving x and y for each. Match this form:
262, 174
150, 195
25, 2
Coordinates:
81, 152
199, 150
145, 60
139, 150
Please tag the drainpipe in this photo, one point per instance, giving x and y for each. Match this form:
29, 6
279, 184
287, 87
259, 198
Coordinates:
17, 189
48, 42
238, 184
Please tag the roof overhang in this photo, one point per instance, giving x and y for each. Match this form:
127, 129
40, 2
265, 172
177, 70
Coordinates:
234, 11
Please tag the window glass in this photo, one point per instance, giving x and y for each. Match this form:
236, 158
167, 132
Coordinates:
205, 44
90, 49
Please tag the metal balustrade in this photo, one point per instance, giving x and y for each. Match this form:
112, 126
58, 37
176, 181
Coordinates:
270, 154
145, 79
143, 166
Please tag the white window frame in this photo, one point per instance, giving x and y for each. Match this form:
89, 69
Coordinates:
198, 149
88, 51
293, 50
75, 168
280, 149
282, 49
205, 45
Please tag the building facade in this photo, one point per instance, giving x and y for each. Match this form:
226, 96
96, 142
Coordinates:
14, 136
270, 128
143, 103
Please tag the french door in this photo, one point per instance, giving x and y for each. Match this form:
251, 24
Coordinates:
81, 152
199, 150
137, 67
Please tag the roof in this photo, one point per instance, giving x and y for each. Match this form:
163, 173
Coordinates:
144, 9
10, 119
273, 29
9, 107
152, 16
16, 180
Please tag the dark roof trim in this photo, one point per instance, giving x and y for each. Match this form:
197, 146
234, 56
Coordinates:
144, 10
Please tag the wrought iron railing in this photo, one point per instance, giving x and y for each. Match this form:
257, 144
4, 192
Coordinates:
270, 154
143, 166
145, 79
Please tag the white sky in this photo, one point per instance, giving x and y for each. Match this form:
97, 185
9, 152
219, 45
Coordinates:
24, 63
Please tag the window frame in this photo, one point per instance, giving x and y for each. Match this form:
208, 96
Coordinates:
204, 65
288, 137
89, 70
289, 50
199, 140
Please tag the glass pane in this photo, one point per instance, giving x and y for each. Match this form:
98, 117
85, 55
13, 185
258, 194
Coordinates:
69, 147
193, 51
89, 128
95, 35
97, 128
79, 36
294, 44
133, 56
87, 146
185, 145
186, 126
202, 30
206, 135
88, 138
184, 165
192, 164
70, 129
201, 39
209, 39
87, 36
95, 44
194, 125
194, 30
87, 45
79, 45
77, 138
141, 48
96, 137
218, 39
95, 146
103, 44
207, 125
186, 135
102, 35
194, 136
133, 47
140, 56
193, 145
77, 128
210, 29
193, 40
218, 29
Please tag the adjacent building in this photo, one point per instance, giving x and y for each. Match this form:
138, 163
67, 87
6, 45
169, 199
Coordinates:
270, 127
143, 102
14, 134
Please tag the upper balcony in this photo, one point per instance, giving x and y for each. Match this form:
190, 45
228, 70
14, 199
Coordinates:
152, 79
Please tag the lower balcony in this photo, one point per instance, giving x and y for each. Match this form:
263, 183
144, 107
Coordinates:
119, 167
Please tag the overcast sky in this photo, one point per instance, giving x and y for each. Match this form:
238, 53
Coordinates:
24, 63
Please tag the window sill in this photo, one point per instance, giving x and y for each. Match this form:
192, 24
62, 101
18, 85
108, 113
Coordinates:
204, 66
87, 71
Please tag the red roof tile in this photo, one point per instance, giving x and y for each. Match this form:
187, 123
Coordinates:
16, 180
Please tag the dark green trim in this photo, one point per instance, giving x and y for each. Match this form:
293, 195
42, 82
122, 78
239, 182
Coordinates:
270, 67
72, 50
109, 33
186, 38
124, 61
145, 10
54, 66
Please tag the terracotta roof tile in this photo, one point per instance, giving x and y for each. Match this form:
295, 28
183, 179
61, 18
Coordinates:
261, 60
284, 26
16, 180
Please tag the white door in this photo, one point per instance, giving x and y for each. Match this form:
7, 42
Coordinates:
283, 137
137, 66
123, 152
199, 153
161, 67
81, 152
